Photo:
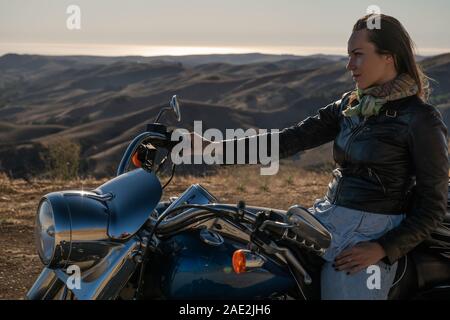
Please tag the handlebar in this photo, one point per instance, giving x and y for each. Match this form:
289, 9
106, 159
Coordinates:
192, 212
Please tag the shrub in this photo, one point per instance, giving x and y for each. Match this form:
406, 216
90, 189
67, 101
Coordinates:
63, 159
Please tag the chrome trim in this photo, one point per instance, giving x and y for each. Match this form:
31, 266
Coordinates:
442, 287
89, 217
188, 214
176, 107
211, 237
92, 195
308, 229
167, 224
86, 222
42, 286
275, 224
63, 226
195, 194
105, 280
253, 260
89, 229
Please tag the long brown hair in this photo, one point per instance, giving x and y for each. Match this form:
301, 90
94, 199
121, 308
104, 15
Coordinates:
392, 38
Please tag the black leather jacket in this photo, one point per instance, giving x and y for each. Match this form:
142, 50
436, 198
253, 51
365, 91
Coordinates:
379, 159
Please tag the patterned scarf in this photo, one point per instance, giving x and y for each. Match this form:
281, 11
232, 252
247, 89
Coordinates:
373, 98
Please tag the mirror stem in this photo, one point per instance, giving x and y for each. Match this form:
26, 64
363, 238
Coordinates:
161, 112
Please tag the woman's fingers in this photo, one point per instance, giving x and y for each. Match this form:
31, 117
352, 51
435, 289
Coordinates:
345, 253
356, 269
357, 258
347, 266
354, 251
345, 256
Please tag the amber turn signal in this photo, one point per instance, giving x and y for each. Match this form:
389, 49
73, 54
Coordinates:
137, 163
247, 261
239, 261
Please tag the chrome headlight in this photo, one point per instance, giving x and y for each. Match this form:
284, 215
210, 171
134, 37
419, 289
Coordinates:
52, 229
74, 227
45, 232
70, 227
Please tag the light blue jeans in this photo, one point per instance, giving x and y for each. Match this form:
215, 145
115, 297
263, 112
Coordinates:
348, 227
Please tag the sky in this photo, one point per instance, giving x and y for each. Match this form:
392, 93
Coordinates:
177, 27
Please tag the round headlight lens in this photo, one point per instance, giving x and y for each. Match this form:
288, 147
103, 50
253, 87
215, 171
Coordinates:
45, 232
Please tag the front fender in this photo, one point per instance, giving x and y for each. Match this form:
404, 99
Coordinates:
46, 286
104, 281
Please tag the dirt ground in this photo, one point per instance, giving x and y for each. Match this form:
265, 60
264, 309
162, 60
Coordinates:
20, 264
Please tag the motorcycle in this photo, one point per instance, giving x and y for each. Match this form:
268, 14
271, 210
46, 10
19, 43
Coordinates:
128, 244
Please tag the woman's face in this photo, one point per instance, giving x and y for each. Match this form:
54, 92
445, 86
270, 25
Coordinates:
368, 68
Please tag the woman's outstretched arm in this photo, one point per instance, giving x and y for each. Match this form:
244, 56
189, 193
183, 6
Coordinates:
309, 133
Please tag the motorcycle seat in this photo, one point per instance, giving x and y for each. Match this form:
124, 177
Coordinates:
432, 269
405, 281
418, 271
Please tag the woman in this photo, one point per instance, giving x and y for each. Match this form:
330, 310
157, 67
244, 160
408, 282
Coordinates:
386, 139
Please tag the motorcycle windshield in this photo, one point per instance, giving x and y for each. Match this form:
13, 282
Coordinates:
135, 195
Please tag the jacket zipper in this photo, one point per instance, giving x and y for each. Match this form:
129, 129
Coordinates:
338, 188
347, 148
371, 172
352, 137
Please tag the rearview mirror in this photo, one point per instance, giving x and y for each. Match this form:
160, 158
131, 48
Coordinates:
175, 107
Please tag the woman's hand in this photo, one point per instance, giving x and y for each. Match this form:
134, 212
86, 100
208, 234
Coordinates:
359, 257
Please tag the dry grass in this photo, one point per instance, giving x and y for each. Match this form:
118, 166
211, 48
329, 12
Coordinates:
290, 186
20, 265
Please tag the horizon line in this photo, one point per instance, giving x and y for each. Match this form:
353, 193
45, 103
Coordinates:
114, 50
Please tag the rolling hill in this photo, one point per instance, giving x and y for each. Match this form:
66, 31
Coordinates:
102, 102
